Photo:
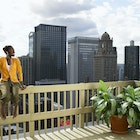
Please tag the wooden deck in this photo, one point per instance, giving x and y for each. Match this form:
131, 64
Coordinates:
98, 132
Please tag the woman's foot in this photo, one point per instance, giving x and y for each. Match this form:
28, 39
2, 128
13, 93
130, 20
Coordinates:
2, 110
3, 116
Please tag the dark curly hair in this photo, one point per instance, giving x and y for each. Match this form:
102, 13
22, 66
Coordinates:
7, 48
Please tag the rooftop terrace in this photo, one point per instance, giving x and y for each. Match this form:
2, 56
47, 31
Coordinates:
60, 112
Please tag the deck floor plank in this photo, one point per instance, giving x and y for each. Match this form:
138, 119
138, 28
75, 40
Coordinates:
67, 134
100, 132
63, 137
44, 136
37, 137
29, 138
54, 136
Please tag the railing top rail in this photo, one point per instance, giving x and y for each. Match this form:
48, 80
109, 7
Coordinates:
70, 87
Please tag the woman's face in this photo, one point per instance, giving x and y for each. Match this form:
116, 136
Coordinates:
11, 52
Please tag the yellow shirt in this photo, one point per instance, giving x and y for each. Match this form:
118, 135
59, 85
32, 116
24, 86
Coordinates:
15, 72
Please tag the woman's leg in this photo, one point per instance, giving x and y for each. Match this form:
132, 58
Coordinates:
15, 98
4, 98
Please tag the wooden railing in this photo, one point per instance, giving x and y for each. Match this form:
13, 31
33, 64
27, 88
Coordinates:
48, 108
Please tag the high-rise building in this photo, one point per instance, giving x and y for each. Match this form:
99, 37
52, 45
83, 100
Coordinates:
31, 44
80, 59
120, 72
105, 60
131, 65
49, 52
27, 65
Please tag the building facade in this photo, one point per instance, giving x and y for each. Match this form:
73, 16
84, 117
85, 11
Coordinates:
27, 68
131, 64
80, 59
120, 72
105, 60
49, 52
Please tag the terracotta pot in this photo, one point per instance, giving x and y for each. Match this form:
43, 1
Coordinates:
119, 126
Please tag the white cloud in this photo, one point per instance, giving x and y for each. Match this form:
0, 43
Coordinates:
122, 23
16, 23
56, 8
121, 19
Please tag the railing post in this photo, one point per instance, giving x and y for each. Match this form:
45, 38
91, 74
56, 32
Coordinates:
81, 116
31, 112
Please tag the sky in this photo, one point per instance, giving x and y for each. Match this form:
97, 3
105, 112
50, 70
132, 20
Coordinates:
89, 18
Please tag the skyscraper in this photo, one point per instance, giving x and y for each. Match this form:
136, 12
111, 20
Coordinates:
80, 59
105, 60
27, 68
131, 66
49, 52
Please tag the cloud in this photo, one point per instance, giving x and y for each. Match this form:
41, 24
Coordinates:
92, 18
56, 8
122, 23
76, 26
121, 19
70, 13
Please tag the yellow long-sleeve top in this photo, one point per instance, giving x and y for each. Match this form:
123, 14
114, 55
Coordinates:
15, 72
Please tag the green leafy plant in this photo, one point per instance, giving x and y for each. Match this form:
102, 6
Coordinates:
106, 104
131, 105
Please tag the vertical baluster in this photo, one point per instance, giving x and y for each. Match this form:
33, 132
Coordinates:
52, 109
92, 114
58, 119
71, 102
64, 119
45, 110
38, 102
76, 106
24, 129
24, 104
9, 131
81, 116
31, 111
39, 126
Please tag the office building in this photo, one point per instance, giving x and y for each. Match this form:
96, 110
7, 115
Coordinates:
131, 64
120, 72
31, 44
49, 52
105, 60
27, 68
81, 59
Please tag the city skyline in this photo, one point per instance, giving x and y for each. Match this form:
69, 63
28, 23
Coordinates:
88, 18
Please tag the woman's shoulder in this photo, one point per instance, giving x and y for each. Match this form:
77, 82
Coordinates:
2, 58
15, 59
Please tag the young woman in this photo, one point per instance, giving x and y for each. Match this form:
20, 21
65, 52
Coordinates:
11, 80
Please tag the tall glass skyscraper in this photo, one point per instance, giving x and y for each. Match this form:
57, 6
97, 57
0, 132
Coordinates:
131, 66
49, 52
81, 59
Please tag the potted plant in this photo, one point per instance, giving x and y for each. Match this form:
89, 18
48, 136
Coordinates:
124, 107
131, 105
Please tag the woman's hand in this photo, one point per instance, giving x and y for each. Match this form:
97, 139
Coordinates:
22, 86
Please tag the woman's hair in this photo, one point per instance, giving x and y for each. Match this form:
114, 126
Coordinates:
7, 48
